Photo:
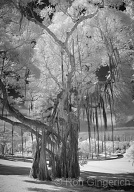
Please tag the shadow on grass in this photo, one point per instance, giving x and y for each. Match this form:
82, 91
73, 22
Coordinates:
16, 158
38, 189
50, 186
91, 181
86, 185
108, 180
38, 182
63, 189
86, 174
12, 170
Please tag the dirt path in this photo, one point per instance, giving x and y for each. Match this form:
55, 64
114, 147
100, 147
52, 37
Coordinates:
14, 178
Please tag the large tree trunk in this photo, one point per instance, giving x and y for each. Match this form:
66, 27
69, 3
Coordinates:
72, 162
58, 167
35, 167
34, 172
69, 155
64, 168
74, 170
43, 170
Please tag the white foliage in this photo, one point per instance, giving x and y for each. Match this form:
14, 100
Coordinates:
61, 24
79, 5
84, 146
44, 13
130, 153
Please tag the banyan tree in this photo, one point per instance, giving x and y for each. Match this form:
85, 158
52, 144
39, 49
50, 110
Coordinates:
63, 61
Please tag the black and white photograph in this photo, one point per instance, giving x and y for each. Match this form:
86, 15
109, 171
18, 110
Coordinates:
66, 95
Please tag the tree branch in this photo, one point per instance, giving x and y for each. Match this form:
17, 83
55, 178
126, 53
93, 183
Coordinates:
59, 42
27, 128
78, 22
26, 121
18, 124
47, 30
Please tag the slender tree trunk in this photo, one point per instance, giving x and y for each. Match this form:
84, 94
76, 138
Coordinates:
102, 145
22, 141
2, 149
12, 139
94, 141
111, 114
89, 129
105, 147
97, 128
